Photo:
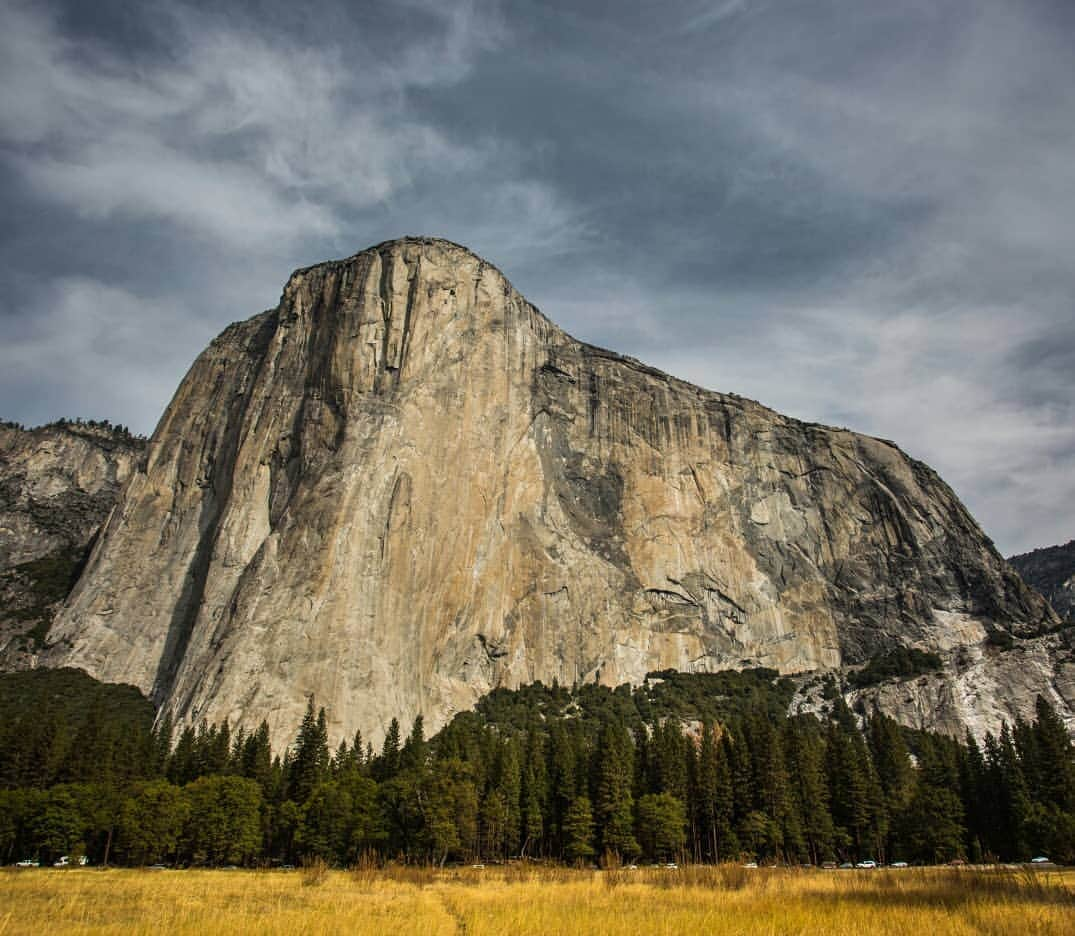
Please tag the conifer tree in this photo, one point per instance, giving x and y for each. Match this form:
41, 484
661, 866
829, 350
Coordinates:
162, 744
389, 763
614, 803
413, 753
578, 830
1056, 757
704, 794
809, 790
310, 760
1014, 798
255, 759
563, 786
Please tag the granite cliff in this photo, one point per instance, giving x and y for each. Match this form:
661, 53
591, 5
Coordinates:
404, 486
1052, 572
57, 486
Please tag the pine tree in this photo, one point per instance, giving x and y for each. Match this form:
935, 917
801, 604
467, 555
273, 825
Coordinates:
704, 794
533, 796
413, 753
162, 745
977, 798
578, 830
310, 760
181, 765
255, 759
892, 761
1014, 799
849, 784
508, 783
727, 846
1056, 758
564, 784
933, 820
389, 763
614, 803
668, 760
809, 790
738, 754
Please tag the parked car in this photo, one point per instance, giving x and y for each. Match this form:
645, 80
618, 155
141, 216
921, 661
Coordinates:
898, 864
828, 865
751, 864
1041, 859
28, 863
672, 866
846, 864
62, 862
868, 863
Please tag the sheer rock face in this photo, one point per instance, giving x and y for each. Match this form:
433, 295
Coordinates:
57, 486
404, 486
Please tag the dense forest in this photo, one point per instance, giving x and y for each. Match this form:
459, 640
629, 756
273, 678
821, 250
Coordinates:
702, 767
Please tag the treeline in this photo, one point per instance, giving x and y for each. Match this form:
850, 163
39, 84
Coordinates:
694, 767
97, 426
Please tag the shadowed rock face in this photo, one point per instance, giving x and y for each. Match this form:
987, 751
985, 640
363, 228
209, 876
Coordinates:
1052, 572
404, 486
57, 486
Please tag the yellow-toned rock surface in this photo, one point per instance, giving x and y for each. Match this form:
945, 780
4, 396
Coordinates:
404, 486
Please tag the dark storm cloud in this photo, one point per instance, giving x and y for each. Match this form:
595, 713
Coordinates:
856, 213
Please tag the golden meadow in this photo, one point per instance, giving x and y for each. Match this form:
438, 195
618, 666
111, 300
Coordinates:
521, 900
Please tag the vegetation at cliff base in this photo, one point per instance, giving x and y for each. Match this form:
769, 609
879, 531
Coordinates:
701, 768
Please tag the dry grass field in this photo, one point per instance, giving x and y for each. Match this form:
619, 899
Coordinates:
517, 901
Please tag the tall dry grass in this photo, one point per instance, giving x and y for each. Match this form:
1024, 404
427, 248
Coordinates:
527, 899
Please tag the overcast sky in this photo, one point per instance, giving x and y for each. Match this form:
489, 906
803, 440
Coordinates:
858, 213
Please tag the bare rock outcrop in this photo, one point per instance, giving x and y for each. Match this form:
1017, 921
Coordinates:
404, 486
57, 486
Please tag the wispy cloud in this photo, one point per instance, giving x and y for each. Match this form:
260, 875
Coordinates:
243, 138
80, 339
709, 14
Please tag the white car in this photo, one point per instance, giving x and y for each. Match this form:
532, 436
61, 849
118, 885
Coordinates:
866, 864
1041, 859
28, 863
898, 864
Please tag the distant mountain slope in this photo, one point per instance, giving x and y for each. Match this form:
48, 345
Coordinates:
1051, 570
57, 486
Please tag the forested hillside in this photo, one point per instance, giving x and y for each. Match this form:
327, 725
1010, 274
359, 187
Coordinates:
700, 767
